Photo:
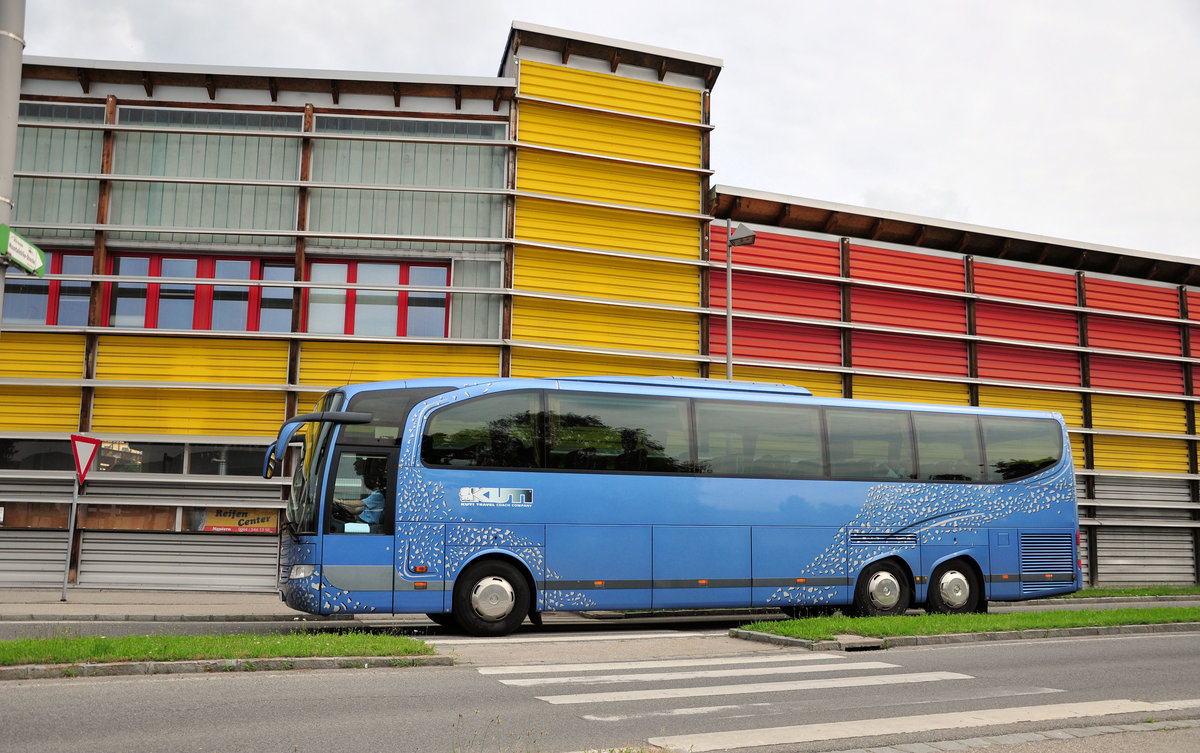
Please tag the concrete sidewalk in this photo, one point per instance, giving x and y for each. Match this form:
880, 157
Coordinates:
87, 604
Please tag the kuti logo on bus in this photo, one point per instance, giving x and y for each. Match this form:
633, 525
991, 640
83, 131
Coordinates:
482, 496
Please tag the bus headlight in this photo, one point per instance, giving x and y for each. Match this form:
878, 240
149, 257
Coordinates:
301, 571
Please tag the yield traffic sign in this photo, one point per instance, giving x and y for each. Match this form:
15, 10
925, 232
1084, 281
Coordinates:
85, 452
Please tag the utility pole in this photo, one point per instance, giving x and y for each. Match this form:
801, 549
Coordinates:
12, 47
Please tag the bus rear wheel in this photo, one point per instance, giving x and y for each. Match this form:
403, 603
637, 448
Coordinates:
883, 590
954, 589
491, 598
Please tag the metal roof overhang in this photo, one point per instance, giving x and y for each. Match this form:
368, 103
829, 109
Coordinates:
858, 223
616, 52
274, 80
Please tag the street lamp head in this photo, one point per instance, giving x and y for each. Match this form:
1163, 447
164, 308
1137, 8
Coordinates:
741, 236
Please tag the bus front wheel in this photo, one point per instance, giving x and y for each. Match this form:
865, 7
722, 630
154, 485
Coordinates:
490, 598
882, 590
954, 589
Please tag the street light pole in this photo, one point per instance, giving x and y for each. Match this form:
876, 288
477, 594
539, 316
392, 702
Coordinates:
12, 46
739, 236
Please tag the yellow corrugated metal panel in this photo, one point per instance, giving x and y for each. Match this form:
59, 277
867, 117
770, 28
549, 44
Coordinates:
25, 355
609, 92
1070, 405
595, 325
1140, 454
333, 363
188, 359
601, 227
819, 383
1139, 414
611, 135
39, 408
531, 363
606, 277
589, 179
166, 411
910, 390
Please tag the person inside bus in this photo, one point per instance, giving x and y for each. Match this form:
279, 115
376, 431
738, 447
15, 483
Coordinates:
369, 509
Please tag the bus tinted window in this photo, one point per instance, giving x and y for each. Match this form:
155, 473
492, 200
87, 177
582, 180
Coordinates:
948, 447
603, 432
753, 439
1018, 447
389, 409
497, 431
868, 444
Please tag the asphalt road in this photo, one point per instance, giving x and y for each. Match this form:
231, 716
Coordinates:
568, 690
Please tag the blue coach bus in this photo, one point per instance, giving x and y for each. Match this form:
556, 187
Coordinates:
484, 502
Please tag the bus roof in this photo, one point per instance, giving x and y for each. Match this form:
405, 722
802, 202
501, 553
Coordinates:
694, 383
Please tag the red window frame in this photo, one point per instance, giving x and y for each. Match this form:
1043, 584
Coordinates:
54, 266
349, 304
203, 293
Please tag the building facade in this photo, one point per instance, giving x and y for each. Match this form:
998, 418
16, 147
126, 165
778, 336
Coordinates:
225, 244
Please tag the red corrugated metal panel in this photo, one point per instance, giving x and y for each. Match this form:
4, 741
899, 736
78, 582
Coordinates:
778, 341
912, 310
1193, 303
1136, 375
780, 252
1015, 364
1114, 295
1026, 284
784, 296
919, 355
1132, 334
1002, 320
922, 270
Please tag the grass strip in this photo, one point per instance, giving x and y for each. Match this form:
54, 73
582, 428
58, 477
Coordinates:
81, 649
825, 628
1138, 591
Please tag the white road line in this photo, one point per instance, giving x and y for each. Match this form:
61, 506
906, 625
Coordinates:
574, 638
526, 669
909, 724
757, 687
526, 682
690, 711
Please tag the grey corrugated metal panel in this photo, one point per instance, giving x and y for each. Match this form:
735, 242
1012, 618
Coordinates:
1144, 512
181, 491
240, 562
1098, 503
32, 558
17, 486
1139, 523
1143, 490
1135, 555
472, 315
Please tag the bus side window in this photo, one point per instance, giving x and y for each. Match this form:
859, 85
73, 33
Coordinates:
496, 431
359, 500
870, 444
948, 447
1018, 447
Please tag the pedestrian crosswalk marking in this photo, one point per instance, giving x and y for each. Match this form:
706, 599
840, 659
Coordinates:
527, 682
760, 687
657, 664
805, 733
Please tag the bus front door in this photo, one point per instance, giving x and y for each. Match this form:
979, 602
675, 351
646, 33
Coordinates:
358, 556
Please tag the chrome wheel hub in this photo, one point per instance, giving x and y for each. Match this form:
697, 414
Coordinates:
492, 598
954, 589
883, 590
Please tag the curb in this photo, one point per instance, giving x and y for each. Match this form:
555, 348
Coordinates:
122, 617
112, 669
860, 643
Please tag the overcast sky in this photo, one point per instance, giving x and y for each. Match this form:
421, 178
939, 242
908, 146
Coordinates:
1076, 119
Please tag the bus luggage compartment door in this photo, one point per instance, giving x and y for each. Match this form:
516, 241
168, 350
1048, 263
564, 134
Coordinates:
701, 566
